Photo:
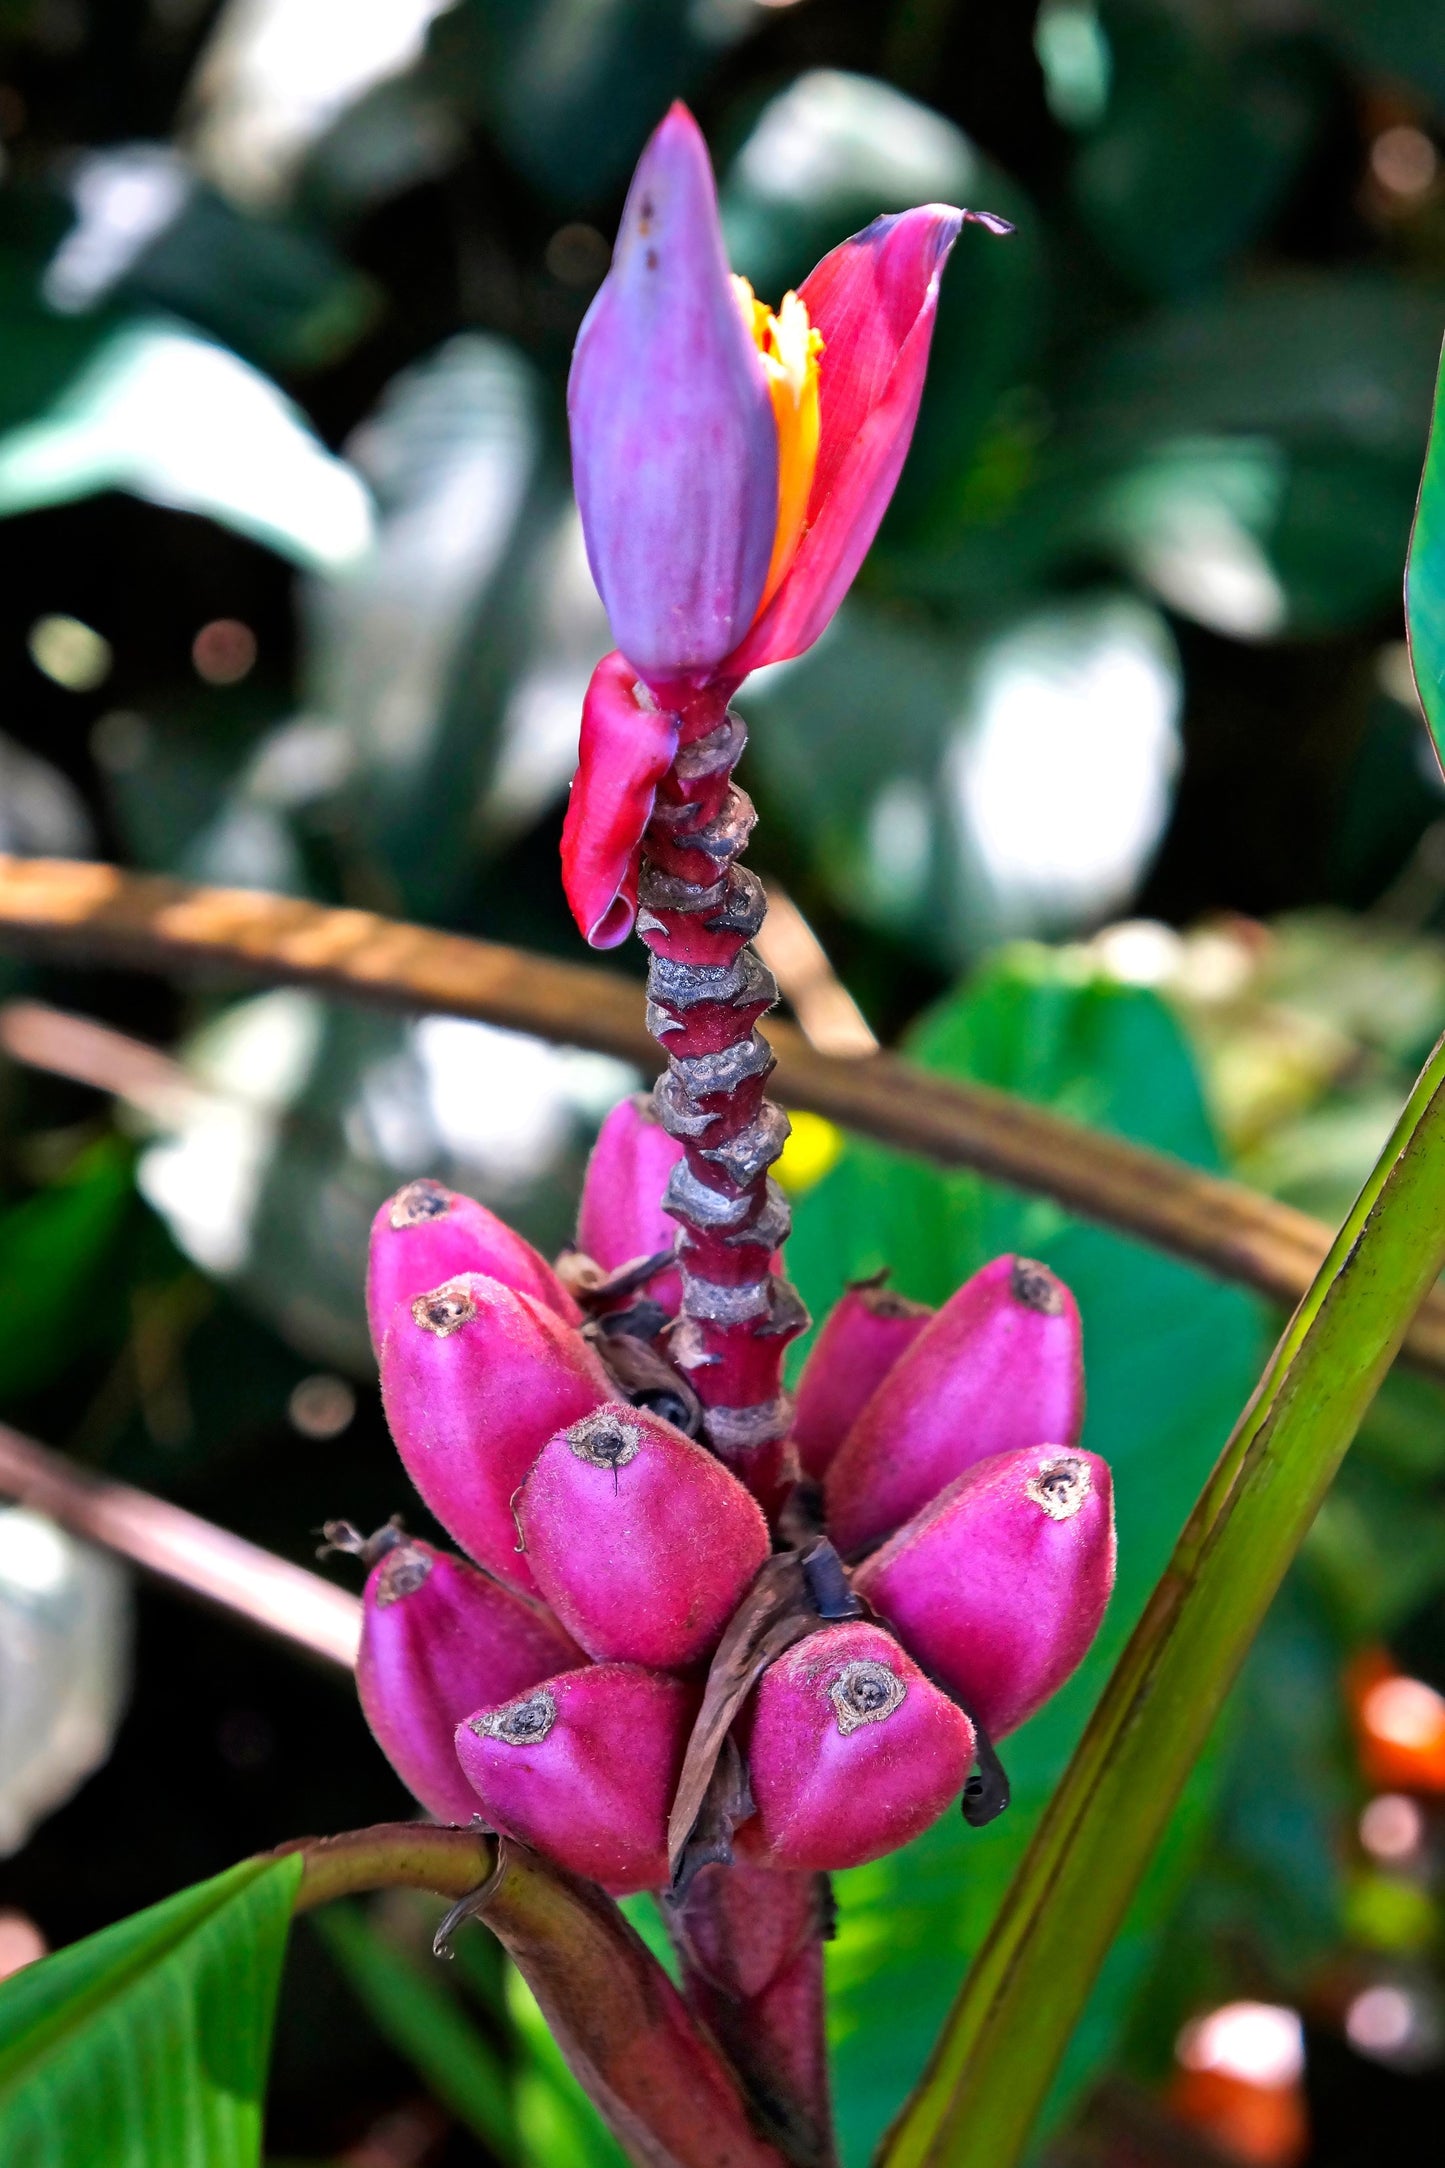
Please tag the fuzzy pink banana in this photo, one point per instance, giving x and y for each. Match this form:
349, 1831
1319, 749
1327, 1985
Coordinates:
440, 1638
999, 1586
427, 1233
621, 1217
863, 1336
641, 1541
851, 1751
584, 1768
475, 1379
1001, 1366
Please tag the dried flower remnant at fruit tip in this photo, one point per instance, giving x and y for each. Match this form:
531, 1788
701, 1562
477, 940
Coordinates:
521, 1723
419, 1202
1060, 1487
605, 1440
865, 1693
1035, 1287
404, 1569
445, 1310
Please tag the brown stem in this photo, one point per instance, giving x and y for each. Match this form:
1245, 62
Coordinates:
653, 2074
751, 1944
75, 910
181, 1548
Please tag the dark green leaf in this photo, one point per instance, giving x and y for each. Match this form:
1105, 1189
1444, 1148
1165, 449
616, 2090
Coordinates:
572, 91
407, 2002
1333, 358
156, 409
1425, 578
1195, 149
272, 290
53, 1250
148, 2042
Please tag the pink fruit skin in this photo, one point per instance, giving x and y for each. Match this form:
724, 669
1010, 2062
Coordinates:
438, 1639
621, 1216
427, 1233
640, 1540
994, 1592
593, 1789
472, 1404
863, 1335
1001, 1366
835, 1787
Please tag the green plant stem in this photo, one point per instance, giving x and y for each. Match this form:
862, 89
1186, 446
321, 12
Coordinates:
993, 2063
392, 1855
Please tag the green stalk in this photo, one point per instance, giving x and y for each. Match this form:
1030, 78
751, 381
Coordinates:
997, 2054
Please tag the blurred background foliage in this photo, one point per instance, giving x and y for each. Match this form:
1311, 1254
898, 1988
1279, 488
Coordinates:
1108, 786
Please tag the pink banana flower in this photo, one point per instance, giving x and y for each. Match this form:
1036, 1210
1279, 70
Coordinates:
731, 468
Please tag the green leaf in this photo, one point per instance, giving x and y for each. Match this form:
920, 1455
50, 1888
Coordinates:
53, 1249
1169, 1356
1252, 457
268, 287
419, 655
160, 411
571, 91
1195, 149
1308, 357
409, 2006
1425, 579
1023, 1997
148, 2042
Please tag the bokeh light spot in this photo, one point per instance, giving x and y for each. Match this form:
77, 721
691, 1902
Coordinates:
69, 653
224, 651
1391, 1827
1404, 161
814, 1146
321, 1406
1263, 2042
21, 1943
578, 255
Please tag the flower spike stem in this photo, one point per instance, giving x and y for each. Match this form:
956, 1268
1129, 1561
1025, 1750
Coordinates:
978, 2100
707, 990
751, 1944
751, 1940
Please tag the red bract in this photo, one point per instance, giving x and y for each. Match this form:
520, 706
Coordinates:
873, 301
621, 1217
626, 748
584, 1768
641, 1541
1001, 1366
475, 1379
851, 1751
863, 1335
428, 1233
438, 1639
1000, 1585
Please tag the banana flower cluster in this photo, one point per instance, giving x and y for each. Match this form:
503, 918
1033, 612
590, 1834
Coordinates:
731, 468
551, 1679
